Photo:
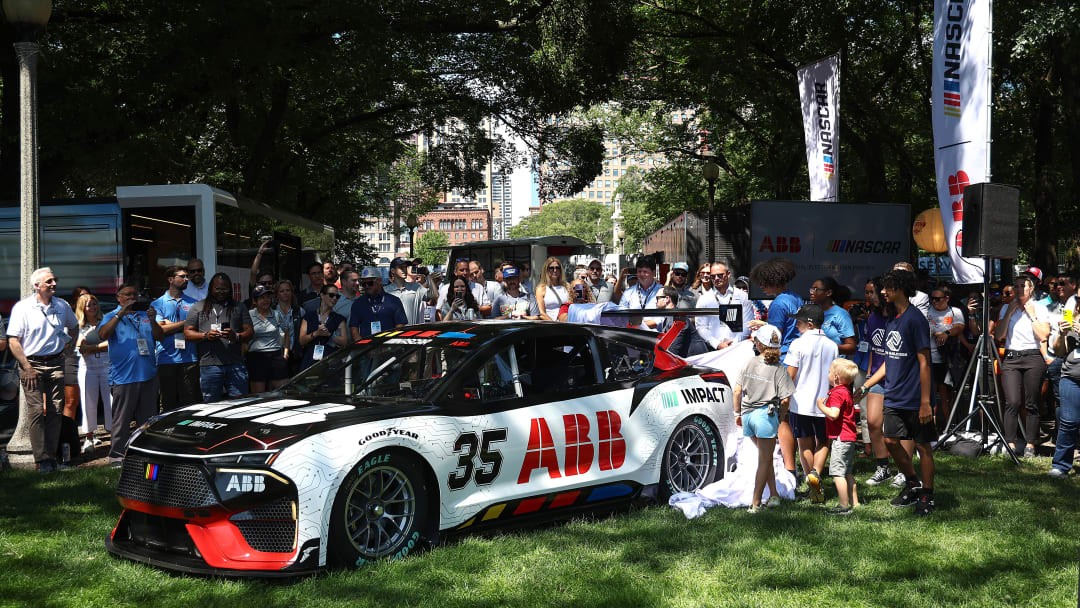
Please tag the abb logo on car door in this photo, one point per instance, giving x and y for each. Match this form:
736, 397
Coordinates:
610, 448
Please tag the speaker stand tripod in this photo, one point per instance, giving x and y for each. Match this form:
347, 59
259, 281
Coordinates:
984, 388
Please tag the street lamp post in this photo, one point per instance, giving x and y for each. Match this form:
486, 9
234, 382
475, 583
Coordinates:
711, 171
622, 242
411, 222
28, 18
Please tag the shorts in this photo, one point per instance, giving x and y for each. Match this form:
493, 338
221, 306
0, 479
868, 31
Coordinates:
760, 423
877, 389
938, 371
263, 367
807, 426
904, 424
842, 457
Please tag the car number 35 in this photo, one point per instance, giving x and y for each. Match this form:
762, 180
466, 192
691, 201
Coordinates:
484, 472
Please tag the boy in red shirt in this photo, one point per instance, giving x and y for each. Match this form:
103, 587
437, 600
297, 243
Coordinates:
841, 427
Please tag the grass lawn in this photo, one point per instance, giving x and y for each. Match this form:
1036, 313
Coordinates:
1002, 536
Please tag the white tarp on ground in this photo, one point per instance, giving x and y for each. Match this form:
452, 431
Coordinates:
736, 489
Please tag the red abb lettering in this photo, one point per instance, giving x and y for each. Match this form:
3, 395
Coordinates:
612, 444
579, 449
540, 453
783, 244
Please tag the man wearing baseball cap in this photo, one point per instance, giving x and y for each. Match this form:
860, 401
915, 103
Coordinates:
412, 295
375, 311
678, 280
513, 302
601, 289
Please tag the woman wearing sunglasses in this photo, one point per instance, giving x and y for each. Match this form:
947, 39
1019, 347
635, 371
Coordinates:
702, 281
553, 291
322, 331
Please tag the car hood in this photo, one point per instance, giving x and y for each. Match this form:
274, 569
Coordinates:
264, 422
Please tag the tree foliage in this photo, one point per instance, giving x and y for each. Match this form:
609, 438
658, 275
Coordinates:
305, 105
429, 247
587, 220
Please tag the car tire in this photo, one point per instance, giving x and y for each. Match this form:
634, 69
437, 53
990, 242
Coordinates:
692, 458
381, 511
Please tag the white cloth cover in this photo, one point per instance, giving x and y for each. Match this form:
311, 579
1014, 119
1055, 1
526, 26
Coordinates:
736, 489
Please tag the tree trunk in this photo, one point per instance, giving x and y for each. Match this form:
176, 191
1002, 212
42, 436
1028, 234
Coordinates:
1044, 253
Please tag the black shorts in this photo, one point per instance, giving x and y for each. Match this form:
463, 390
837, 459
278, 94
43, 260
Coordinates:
263, 367
807, 426
938, 372
904, 424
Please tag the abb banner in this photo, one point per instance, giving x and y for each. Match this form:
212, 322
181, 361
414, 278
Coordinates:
850, 242
961, 117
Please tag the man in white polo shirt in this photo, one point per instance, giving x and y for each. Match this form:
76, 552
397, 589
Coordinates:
41, 328
643, 295
715, 331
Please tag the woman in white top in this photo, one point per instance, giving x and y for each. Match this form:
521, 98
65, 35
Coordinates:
552, 292
93, 370
946, 323
1023, 326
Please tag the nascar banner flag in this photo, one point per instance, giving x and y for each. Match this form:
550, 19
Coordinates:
819, 90
961, 116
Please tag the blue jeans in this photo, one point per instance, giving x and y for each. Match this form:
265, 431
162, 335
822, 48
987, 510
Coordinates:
1068, 424
218, 380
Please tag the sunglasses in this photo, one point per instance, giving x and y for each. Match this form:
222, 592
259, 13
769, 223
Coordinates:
597, 268
367, 283
679, 273
720, 276
662, 296
333, 295
937, 299
554, 268
462, 260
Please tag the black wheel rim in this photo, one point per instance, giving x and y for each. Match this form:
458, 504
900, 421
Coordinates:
689, 459
380, 509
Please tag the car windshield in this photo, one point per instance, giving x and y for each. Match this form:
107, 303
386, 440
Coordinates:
404, 371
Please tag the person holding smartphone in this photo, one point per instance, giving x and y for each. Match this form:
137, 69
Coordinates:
132, 332
218, 325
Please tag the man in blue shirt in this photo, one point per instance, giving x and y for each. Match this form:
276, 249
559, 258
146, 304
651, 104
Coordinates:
178, 365
375, 311
131, 335
906, 373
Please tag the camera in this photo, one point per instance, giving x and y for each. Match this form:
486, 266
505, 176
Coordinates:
858, 310
141, 304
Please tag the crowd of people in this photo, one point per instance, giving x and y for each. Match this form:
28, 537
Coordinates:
905, 346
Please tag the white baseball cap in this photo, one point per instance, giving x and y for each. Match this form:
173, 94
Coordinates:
768, 335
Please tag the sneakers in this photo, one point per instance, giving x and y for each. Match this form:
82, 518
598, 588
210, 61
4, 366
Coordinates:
925, 505
774, 501
814, 481
1029, 452
46, 466
753, 509
908, 496
1056, 474
88, 446
838, 511
899, 480
881, 475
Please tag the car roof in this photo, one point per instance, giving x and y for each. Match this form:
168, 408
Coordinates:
487, 330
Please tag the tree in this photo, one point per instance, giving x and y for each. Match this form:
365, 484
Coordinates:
431, 247
587, 220
303, 105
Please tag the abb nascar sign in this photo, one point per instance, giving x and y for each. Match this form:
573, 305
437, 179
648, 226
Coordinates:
850, 242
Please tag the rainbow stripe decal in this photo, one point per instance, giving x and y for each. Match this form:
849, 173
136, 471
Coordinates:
552, 502
152, 472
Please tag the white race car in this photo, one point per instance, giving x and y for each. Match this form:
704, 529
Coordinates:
403, 438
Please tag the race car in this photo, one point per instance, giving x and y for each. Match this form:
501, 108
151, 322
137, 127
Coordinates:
416, 434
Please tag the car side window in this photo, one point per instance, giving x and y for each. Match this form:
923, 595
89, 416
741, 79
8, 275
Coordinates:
496, 378
558, 364
626, 361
